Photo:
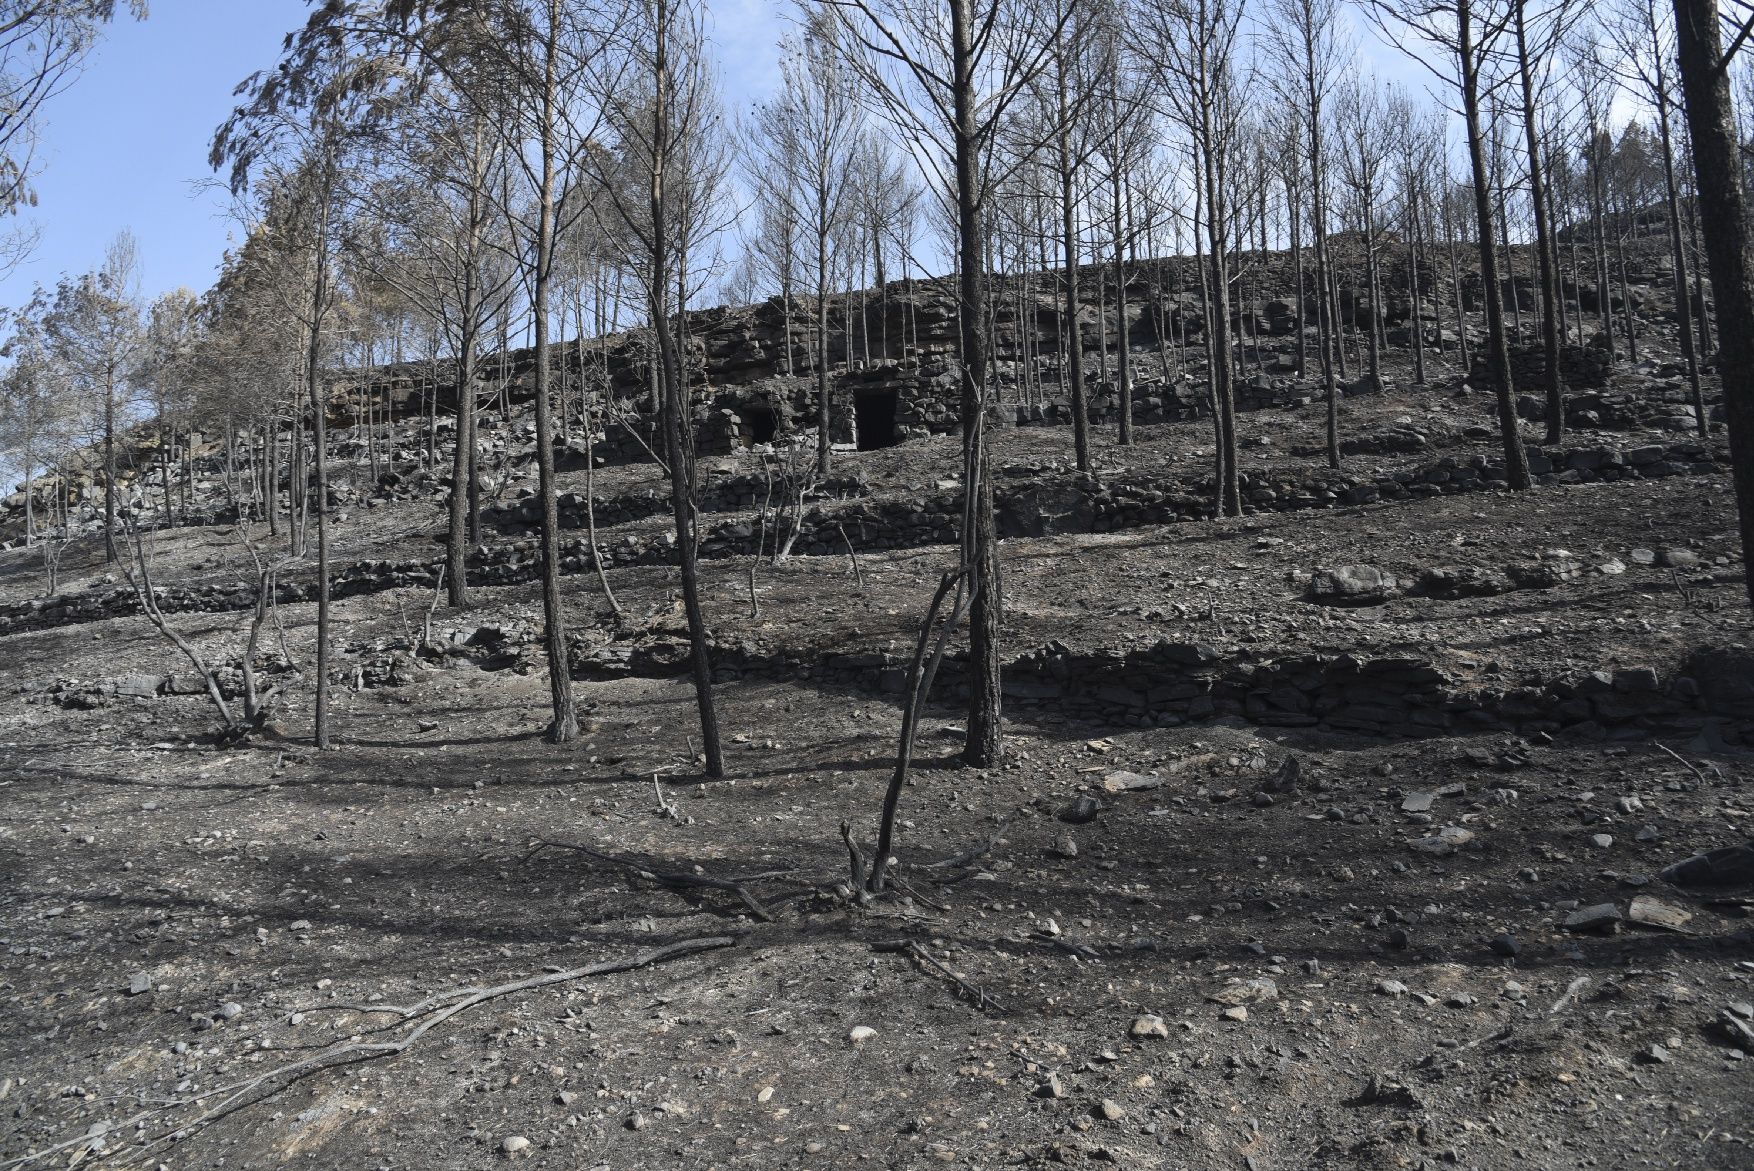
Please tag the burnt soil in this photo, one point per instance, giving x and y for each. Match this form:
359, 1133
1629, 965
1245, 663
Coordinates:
180, 916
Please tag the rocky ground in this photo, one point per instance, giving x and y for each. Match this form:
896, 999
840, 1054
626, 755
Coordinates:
1242, 935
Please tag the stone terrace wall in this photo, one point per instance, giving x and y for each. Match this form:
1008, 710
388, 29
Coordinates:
1040, 506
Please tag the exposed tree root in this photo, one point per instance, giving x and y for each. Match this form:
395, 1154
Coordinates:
429, 1013
922, 957
675, 879
974, 852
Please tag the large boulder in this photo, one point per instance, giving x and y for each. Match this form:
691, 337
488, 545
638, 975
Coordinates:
1730, 866
1352, 585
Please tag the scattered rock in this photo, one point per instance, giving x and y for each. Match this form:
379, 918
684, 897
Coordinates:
1352, 585
139, 686
1603, 917
861, 1034
1110, 1110
1251, 991
1235, 1013
1148, 1026
138, 983
1444, 842
1654, 913
1729, 866
1735, 1028
1383, 1090
1285, 778
1126, 782
1391, 988
1506, 945
1081, 811
513, 1144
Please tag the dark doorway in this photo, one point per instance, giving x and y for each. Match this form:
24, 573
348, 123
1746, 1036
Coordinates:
762, 424
875, 412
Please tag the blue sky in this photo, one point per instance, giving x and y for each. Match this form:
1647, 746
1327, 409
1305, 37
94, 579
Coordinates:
126, 145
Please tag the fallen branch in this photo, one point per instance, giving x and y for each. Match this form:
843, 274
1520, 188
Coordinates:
675, 879
905, 889
921, 956
858, 574
1572, 992
237, 1095
139, 576
980, 851
437, 592
1685, 763
665, 808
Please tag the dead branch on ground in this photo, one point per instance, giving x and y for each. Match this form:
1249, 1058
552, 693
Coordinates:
139, 575
675, 879
858, 574
237, 1095
974, 852
922, 957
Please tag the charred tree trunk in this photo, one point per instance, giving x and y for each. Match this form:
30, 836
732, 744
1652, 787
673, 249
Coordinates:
1545, 248
1516, 461
980, 547
1724, 213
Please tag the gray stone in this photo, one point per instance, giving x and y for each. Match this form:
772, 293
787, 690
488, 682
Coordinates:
1418, 802
1251, 991
1729, 866
1602, 917
1352, 585
1655, 913
139, 686
1148, 1026
1129, 782
1444, 842
1081, 811
138, 983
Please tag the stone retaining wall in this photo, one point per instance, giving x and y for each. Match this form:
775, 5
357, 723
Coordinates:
1171, 683
1038, 506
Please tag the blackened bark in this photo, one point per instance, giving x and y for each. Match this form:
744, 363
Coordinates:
980, 547
1516, 460
1724, 214
564, 725
1545, 248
